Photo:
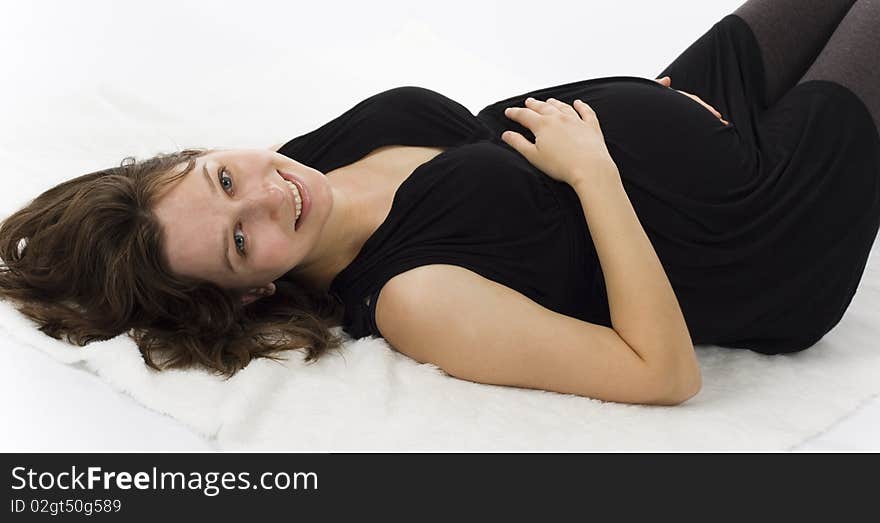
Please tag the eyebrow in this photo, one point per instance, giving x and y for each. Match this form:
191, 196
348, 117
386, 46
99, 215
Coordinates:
225, 252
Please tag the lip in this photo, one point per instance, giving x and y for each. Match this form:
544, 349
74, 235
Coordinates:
304, 194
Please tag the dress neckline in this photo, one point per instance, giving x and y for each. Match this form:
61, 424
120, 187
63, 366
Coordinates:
342, 278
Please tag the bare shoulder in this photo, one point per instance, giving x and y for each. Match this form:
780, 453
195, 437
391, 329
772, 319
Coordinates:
479, 330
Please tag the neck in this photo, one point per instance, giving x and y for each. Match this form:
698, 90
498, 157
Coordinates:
348, 227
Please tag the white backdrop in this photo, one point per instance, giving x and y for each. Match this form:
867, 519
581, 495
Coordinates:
89, 82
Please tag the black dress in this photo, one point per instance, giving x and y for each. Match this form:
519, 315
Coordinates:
763, 226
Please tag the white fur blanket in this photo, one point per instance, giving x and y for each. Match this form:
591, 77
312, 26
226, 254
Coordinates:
367, 397
85, 94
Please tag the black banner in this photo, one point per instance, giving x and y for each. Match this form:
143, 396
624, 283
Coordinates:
128, 487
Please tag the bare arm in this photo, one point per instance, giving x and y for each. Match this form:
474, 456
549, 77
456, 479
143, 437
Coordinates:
570, 147
479, 330
643, 306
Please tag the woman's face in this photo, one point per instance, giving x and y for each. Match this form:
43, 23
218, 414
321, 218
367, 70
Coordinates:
230, 220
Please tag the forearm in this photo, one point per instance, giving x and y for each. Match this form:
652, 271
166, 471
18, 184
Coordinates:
643, 306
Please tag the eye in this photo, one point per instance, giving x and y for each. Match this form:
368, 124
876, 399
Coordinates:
239, 242
223, 175
226, 184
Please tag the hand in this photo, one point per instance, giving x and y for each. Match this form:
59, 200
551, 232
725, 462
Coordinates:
568, 140
667, 82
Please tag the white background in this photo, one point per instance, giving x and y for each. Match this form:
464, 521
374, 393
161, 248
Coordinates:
255, 73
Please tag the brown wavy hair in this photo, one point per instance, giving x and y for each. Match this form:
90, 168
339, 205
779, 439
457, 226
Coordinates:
84, 261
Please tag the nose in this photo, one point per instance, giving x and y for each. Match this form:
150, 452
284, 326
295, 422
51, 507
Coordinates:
265, 199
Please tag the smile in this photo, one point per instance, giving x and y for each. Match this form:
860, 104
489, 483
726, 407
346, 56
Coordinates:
299, 197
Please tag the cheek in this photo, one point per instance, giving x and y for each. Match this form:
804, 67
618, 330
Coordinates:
275, 248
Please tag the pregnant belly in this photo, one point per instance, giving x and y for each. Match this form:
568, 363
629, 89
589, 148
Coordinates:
663, 138
660, 139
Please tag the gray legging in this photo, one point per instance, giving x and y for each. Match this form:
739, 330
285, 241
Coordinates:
802, 40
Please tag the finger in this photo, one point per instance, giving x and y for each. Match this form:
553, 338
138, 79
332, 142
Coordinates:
714, 111
711, 109
539, 106
707, 106
665, 81
554, 103
584, 110
523, 115
701, 102
562, 106
704, 104
519, 143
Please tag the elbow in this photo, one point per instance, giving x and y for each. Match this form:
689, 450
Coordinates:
680, 385
687, 389
678, 395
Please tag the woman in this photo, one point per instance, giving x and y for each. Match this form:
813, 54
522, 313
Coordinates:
527, 246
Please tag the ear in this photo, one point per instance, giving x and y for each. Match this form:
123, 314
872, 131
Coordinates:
252, 295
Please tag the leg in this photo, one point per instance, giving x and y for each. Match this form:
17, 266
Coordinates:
790, 33
852, 56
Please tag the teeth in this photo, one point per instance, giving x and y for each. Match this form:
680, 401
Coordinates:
297, 197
